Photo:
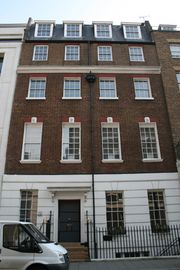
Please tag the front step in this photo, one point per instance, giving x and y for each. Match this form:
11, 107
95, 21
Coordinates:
76, 251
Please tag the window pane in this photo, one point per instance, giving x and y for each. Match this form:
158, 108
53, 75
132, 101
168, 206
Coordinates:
72, 53
104, 53
40, 53
107, 88
32, 142
71, 143
136, 54
175, 50
44, 30
72, 88
132, 31
142, 88
149, 143
114, 213
37, 88
103, 30
73, 30
157, 210
110, 145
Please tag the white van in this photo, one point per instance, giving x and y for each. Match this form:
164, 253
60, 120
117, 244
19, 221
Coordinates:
24, 247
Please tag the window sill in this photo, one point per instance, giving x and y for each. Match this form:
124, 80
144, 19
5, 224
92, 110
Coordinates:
108, 98
112, 161
30, 161
152, 160
29, 98
71, 60
70, 161
72, 98
139, 98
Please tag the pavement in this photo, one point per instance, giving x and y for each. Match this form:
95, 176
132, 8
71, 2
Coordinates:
163, 263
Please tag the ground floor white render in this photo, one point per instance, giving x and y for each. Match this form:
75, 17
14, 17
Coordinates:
69, 198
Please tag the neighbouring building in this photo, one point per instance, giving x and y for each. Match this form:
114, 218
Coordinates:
90, 133
10, 45
167, 39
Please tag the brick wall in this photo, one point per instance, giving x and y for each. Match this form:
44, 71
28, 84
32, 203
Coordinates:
169, 66
53, 111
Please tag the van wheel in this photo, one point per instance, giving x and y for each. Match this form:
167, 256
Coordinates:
37, 267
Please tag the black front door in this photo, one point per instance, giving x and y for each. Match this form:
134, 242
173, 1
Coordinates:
69, 221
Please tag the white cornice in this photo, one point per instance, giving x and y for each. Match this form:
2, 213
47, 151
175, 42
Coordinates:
87, 69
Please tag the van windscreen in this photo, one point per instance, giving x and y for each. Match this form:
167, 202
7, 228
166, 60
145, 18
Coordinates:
38, 236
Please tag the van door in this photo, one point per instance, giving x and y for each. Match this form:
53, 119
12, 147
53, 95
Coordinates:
17, 247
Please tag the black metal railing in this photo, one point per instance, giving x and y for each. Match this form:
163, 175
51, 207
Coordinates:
45, 226
135, 241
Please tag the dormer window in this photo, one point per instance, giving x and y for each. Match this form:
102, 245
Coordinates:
72, 30
167, 27
103, 30
132, 31
44, 29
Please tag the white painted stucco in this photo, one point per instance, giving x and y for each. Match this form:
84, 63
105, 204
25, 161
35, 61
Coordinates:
52, 188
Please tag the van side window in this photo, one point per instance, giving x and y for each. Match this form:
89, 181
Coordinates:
16, 238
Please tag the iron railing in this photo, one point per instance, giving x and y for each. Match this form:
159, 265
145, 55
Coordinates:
135, 241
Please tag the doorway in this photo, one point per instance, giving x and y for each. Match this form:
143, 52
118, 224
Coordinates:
69, 221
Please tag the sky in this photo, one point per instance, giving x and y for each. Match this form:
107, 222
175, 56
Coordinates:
117, 11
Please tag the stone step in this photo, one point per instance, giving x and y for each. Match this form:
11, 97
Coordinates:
77, 252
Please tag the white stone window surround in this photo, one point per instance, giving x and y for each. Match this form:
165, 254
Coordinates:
72, 52
104, 83
71, 144
33, 137
72, 24
103, 27
175, 50
74, 87
135, 30
40, 52
114, 125
148, 142
145, 92
42, 83
136, 54
45, 23
104, 53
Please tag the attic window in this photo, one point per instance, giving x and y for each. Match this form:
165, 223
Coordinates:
43, 29
132, 31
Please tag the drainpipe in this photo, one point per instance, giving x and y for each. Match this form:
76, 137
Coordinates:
91, 79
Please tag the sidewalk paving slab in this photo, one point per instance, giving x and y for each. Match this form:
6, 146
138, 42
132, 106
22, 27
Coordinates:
130, 264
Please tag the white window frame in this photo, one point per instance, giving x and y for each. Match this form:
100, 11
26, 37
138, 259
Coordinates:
115, 212
150, 158
132, 25
34, 53
136, 57
99, 53
26, 125
96, 25
45, 23
111, 160
178, 79
29, 88
29, 201
72, 36
71, 46
147, 80
175, 53
157, 205
64, 138
107, 79
72, 79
